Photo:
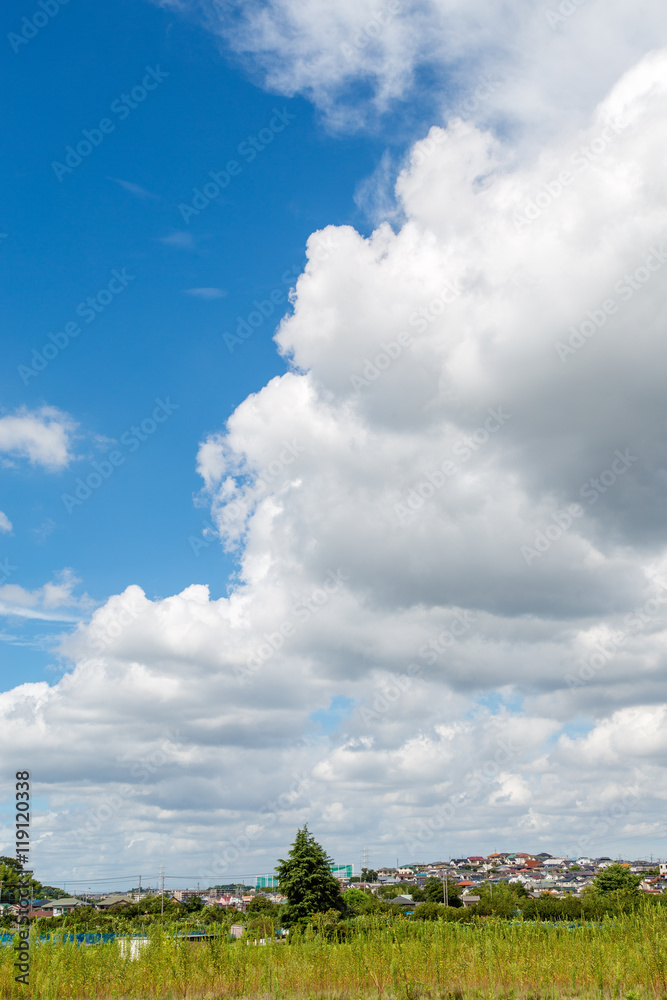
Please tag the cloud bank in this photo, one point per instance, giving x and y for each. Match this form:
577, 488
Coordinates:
356, 59
449, 614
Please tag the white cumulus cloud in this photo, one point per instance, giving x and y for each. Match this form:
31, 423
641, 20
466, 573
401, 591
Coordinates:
450, 523
43, 437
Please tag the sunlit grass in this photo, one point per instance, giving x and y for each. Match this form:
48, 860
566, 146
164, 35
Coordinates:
623, 956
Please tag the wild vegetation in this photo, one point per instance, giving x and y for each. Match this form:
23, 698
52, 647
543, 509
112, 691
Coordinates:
378, 956
611, 942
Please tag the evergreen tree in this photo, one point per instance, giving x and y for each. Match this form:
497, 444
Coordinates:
306, 879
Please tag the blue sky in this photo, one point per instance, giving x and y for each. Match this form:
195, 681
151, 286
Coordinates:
358, 633
120, 209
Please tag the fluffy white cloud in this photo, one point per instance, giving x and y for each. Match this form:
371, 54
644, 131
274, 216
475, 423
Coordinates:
54, 601
5, 523
42, 436
538, 65
449, 516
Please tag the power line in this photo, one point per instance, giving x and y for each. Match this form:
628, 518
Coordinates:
157, 875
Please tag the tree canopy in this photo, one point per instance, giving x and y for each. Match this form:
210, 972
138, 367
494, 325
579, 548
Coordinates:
11, 873
305, 878
616, 878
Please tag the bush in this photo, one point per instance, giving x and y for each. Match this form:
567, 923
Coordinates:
430, 911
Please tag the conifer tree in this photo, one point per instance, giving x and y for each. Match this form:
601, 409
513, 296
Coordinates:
306, 879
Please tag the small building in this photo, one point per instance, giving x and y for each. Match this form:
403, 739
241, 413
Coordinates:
57, 907
114, 900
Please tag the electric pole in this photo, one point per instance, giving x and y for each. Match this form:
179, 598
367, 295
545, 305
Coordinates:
162, 890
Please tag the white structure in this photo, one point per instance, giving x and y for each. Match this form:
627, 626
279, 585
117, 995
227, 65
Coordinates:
132, 947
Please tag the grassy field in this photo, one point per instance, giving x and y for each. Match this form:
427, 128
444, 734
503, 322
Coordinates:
622, 957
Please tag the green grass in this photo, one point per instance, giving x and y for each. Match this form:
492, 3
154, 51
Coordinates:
623, 956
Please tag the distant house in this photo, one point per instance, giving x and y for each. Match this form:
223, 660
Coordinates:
470, 900
115, 900
401, 901
57, 907
230, 901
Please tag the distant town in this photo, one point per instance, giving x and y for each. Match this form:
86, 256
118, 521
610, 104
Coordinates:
540, 875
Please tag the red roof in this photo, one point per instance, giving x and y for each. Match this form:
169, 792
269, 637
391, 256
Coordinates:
465, 883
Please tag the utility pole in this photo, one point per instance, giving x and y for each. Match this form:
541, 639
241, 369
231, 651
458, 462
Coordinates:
139, 899
162, 890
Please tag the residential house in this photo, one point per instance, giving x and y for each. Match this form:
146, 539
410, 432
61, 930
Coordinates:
58, 907
114, 900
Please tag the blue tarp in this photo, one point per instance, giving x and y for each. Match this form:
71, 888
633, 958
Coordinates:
87, 938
